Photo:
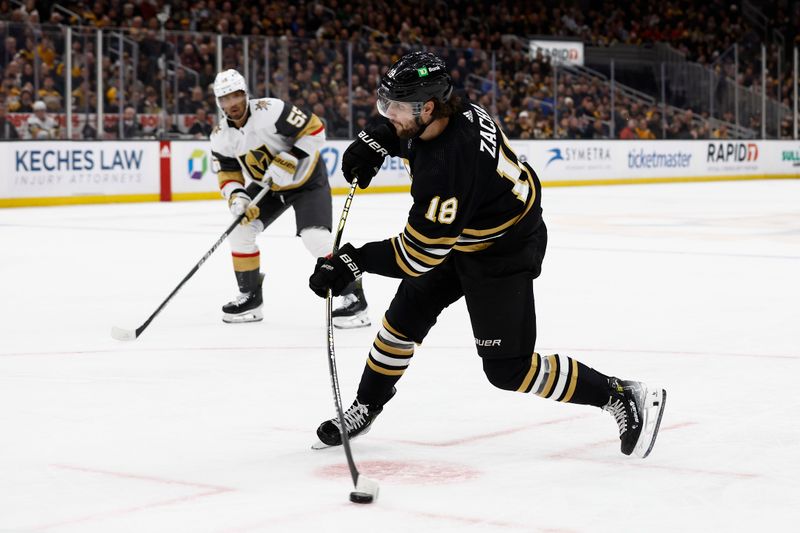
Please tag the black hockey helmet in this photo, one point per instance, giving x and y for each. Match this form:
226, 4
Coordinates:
415, 78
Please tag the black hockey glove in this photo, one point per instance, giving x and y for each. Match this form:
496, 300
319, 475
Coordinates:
364, 157
335, 272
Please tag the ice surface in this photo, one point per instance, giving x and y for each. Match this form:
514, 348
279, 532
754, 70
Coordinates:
201, 426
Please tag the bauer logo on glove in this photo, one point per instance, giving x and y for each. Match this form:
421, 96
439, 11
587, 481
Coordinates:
336, 272
364, 157
282, 170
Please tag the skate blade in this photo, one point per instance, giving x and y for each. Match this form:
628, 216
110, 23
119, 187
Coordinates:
359, 320
241, 318
655, 400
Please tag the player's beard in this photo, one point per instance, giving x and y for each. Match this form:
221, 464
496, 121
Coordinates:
406, 133
239, 115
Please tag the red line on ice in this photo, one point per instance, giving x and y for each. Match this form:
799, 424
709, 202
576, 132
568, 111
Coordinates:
484, 436
208, 490
574, 454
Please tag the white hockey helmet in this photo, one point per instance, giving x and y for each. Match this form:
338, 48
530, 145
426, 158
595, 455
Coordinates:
227, 82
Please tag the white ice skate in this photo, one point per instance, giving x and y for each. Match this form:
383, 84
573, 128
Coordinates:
245, 308
353, 311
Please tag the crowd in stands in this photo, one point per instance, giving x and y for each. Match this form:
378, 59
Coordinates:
307, 47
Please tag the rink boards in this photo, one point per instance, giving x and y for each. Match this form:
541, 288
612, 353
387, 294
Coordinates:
80, 172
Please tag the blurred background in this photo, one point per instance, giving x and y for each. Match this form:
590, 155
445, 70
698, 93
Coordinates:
116, 69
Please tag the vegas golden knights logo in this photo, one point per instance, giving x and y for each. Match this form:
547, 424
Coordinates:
256, 161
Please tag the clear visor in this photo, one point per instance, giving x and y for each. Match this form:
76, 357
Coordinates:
392, 109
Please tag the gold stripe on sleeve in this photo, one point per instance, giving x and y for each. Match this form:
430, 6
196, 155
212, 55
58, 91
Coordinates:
505, 225
400, 262
230, 175
427, 240
313, 124
432, 262
472, 247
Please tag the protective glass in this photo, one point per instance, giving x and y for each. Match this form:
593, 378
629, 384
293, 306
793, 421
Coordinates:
392, 109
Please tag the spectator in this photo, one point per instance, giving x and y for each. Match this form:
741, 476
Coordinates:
131, 129
150, 105
643, 131
321, 112
88, 131
49, 95
629, 131
512, 122
40, 125
598, 130
196, 102
655, 125
25, 104
341, 123
7, 129
201, 129
168, 128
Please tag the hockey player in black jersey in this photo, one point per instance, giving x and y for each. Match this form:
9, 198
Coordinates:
475, 230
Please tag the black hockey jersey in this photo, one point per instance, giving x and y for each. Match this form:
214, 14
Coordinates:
469, 190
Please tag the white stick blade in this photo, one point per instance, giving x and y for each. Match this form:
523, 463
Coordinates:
366, 490
123, 334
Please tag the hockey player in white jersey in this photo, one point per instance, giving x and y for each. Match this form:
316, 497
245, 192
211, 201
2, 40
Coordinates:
268, 140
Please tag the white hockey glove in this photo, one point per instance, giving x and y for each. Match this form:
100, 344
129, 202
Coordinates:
239, 203
282, 169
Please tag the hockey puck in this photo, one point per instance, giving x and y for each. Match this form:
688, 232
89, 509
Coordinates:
361, 497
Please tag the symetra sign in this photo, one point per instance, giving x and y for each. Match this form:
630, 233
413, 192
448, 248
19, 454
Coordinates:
580, 154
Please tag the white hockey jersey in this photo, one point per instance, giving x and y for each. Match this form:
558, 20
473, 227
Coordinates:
273, 126
42, 129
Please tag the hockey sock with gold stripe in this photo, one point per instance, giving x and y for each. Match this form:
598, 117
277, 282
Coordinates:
564, 379
246, 267
389, 357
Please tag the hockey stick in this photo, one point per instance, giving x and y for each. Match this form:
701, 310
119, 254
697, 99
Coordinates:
122, 334
366, 490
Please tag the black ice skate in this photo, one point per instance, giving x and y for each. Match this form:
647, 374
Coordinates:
358, 419
246, 307
637, 409
353, 311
